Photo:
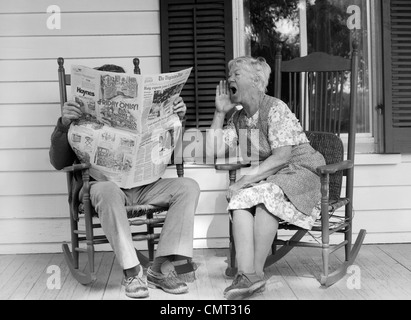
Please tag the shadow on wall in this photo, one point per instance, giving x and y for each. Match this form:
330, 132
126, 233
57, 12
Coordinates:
217, 235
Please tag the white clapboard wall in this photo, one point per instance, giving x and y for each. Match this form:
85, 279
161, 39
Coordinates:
34, 214
33, 196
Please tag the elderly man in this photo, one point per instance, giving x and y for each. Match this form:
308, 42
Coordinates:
180, 195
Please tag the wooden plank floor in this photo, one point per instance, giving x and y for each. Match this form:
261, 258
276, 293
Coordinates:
380, 272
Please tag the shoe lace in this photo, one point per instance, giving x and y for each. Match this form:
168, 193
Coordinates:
138, 277
172, 276
237, 279
135, 278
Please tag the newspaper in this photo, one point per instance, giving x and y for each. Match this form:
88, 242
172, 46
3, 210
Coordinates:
128, 129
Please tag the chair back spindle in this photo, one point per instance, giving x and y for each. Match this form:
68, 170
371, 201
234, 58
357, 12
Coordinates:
319, 91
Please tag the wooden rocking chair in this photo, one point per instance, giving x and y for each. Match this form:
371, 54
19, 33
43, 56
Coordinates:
318, 84
83, 238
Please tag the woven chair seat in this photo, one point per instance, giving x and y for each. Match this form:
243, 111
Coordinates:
133, 211
334, 220
141, 210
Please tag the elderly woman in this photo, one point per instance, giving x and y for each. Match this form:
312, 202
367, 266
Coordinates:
283, 187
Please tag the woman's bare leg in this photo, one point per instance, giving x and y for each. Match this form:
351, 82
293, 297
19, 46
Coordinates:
265, 229
243, 232
248, 282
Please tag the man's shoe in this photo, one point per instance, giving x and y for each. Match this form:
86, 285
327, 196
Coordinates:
136, 287
169, 283
242, 287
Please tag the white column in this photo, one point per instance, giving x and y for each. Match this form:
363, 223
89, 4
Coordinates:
302, 11
238, 29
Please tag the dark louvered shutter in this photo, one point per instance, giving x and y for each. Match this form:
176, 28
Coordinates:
198, 34
397, 75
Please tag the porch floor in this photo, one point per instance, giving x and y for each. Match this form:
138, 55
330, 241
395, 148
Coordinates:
381, 272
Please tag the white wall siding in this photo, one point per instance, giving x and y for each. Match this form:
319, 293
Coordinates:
33, 196
37, 214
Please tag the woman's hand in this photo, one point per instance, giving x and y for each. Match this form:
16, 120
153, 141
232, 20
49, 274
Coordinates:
223, 102
179, 107
71, 111
234, 188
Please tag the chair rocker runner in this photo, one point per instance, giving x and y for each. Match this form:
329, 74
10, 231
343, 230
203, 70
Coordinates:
138, 215
321, 88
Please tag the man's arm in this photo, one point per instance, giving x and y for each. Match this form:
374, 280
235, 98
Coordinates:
60, 153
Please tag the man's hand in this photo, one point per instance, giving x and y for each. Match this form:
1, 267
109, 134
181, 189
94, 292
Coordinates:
71, 111
223, 102
179, 107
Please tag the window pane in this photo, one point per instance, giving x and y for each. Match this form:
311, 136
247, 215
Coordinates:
330, 27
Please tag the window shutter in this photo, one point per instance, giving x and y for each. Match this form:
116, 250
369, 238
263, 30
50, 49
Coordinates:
397, 75
198, 34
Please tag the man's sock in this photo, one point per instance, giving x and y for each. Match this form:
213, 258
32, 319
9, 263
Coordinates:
163, 264
134, 271
167, 267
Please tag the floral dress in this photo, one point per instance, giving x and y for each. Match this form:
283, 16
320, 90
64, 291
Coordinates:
293, 193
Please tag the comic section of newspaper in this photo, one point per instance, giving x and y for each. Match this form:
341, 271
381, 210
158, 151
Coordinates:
128, 129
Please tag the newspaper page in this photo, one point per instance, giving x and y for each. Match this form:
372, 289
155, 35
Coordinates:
128, 129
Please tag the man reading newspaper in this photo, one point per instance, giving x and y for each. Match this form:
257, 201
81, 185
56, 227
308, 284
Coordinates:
107, 193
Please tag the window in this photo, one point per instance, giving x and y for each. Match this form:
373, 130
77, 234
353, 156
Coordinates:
303, 27
199, 33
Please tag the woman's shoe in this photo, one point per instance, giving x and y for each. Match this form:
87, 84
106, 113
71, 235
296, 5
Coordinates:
242, 287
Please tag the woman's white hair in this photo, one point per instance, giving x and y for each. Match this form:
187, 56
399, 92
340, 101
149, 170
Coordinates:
258, 67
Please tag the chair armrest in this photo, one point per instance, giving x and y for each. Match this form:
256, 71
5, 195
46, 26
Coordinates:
333, 168
231, 166
77, 167
231, 163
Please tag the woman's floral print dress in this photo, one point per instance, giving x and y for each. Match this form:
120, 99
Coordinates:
293, 193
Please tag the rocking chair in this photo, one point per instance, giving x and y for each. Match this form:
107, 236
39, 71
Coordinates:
83, 238
321, 89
